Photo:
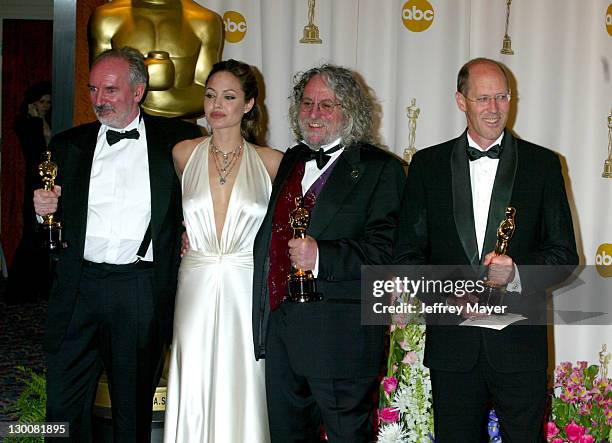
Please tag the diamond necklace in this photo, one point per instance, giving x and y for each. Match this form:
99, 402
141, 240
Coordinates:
224, 161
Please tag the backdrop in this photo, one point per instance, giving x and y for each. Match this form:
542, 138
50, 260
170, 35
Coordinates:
404, 50
561, 67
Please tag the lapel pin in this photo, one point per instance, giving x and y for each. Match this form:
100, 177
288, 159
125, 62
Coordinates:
355, 174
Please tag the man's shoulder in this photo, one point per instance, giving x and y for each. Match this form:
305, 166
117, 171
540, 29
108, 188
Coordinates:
435, 153
77, 132
173, 127
535, 151
370, 152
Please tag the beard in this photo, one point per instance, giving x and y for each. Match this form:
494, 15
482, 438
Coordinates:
107, 115
317, 138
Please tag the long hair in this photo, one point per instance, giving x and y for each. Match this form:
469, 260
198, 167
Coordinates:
138, 73
250, 126
352, 94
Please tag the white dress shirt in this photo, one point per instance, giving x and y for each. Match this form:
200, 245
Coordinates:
119, 205
482, 178
312, 174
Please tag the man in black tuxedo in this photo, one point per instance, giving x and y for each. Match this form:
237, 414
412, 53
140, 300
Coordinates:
112, 300
455, 197
321, 363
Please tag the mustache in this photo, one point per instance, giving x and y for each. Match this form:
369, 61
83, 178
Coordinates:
104, 107
305, 122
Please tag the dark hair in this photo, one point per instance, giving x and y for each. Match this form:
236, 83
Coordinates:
353, 95
250, 126
464, 73
33, 94
36, 91
137, 70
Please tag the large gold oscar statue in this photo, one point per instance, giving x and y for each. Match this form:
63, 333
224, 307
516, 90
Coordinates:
180, 39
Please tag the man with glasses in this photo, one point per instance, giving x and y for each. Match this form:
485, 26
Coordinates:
455, 198
321, 363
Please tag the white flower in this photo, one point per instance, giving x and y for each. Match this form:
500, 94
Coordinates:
392, 433
403, 399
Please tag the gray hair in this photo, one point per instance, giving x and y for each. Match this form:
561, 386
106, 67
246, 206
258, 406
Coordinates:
352, 94
138, 73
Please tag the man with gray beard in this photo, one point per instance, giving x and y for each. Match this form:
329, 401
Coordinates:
112, 299
321, 363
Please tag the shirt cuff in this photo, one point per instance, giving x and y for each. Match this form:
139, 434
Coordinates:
515, 284
315, 270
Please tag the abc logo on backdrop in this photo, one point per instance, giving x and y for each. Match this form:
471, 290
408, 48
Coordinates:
235, 26
417, 15
603, 260
609, 19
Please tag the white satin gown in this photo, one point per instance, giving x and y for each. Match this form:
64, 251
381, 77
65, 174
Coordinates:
216, 388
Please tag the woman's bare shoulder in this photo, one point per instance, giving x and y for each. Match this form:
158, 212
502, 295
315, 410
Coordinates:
182, 151
271, 158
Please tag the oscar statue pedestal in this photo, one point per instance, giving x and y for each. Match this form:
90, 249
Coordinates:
103, 416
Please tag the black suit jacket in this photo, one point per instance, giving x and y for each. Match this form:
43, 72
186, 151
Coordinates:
437, 228
353, 222
73, 152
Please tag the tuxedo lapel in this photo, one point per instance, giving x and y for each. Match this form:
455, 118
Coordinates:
463, 210
160, 175
74, 209
284, 171
339, 186
502, 191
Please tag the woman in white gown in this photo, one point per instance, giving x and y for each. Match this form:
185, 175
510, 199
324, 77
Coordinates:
216, 389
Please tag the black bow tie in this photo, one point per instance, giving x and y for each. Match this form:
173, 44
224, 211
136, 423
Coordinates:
475, 154
321, 156
113, 137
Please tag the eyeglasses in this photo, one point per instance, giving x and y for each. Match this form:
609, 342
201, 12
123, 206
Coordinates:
325, 107
500, 99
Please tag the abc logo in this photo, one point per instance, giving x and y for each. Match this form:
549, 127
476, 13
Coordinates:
603, 260
235, 26
609, 19
417, 15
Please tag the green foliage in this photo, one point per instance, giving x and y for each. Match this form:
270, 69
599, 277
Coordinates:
31, 404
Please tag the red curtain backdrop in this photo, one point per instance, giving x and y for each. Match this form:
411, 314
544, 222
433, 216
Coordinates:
26, 59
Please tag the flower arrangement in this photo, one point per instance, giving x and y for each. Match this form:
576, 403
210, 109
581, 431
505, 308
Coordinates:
581, 405
405, 412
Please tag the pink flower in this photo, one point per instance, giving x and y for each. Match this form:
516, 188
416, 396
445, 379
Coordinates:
557, 440
395, 367
400, 320
388, 415
587, 439
410, 358
389, 384
404, 345
551, 430
574, 431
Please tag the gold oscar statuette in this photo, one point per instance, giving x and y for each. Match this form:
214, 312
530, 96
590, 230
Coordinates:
301, 284
180, 40
607, 172
311, 31
412, 112
51, 228
507, 44
494, 294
